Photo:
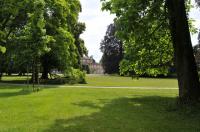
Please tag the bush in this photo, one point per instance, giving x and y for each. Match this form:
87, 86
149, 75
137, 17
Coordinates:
75, 76
57, 81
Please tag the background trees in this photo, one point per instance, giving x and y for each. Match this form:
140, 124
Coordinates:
61, 56
41, 33
62, 24
13, 16
112, 50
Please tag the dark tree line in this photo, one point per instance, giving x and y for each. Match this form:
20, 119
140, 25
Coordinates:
112, 50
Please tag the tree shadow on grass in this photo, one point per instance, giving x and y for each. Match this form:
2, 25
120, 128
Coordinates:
12, 94
140, 114
14, 81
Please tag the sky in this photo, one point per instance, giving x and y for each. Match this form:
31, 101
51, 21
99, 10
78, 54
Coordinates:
96, 26
97, 22
195, 14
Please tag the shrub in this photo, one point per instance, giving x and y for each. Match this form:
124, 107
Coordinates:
58, 81
75, 76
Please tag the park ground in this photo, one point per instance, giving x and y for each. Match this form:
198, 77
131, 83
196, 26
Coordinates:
105, 104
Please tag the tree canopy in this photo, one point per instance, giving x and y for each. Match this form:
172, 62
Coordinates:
112, 50
152, 31
41, 32
145, 34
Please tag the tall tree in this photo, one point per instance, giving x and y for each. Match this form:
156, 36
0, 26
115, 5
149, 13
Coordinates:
142, 19
31, 39
146, 37
112, 50
13, 14
78, 29
40, 31
37, 36
62, 24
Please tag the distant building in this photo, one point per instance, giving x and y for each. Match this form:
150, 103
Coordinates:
94, 68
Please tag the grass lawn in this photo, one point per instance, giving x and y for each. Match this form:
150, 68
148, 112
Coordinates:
100, 80
97, 110
116, 81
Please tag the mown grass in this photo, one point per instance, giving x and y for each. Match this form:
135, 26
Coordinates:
14, 79
101, 80
95, 110
116, 81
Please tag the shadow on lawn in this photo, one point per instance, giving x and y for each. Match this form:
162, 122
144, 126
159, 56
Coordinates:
12, 94
142, 114
14, 81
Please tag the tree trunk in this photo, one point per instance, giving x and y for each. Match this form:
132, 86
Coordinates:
45, 73
2, 65
35, 74
1, 72
45, 66
188, 80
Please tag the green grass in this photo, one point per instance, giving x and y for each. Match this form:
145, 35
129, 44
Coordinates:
96, 110
100, 80
14, 79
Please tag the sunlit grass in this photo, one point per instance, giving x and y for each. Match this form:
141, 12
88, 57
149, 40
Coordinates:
101, 80
73, 109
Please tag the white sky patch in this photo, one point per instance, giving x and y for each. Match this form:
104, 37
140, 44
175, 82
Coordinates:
96, 26
97, 22
195, 14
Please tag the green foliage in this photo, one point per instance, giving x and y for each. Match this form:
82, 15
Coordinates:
152, 58
79, 28
13, 16
143, 28
63, 48
111, 47
2, 49
35, 31
41, 31
193, 29
62, 24
75, 76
